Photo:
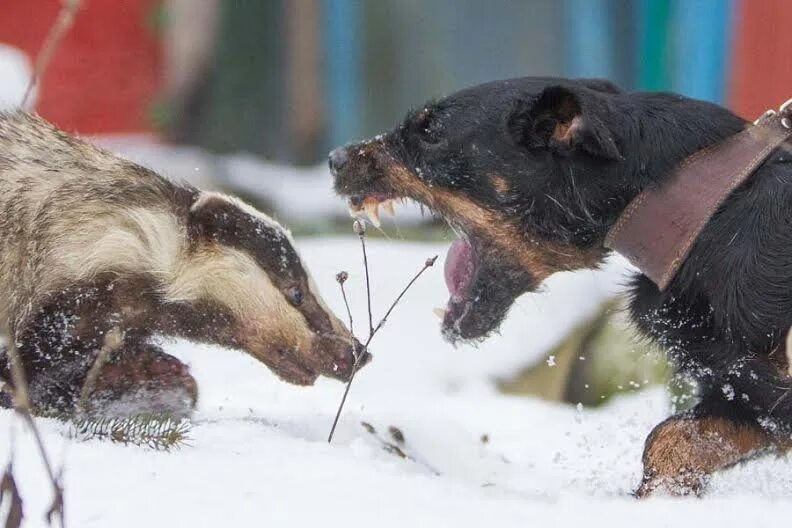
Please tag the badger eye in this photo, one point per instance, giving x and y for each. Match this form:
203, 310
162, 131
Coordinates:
295, 295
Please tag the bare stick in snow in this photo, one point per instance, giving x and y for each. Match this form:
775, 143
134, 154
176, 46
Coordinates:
22, 408
360, 230
60, 27
9, 493
341, 278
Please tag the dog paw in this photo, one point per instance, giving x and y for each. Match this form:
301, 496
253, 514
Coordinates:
684, 483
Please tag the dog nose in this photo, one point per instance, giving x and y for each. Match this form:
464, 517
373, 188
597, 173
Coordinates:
337, 159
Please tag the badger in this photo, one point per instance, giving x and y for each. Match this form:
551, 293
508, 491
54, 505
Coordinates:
93, 245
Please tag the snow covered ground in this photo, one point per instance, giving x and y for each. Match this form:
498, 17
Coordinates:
258, 454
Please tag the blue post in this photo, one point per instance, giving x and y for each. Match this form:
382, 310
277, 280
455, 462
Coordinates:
701, 47
343, 69
587, 29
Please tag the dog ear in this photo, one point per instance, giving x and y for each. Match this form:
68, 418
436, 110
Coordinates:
557, 120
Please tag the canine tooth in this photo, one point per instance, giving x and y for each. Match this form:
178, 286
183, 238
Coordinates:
387, 205
440, 312
372, 210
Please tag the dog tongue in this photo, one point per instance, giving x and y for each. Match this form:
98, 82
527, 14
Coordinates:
459, 268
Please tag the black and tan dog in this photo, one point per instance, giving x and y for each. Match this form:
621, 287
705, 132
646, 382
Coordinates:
534, 172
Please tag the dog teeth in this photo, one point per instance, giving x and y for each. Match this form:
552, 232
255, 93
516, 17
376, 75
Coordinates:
440, 312
389, 208
372, 211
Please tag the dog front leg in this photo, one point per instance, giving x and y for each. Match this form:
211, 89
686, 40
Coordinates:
683, 451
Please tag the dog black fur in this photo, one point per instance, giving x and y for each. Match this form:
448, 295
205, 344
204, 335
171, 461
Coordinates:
535, 171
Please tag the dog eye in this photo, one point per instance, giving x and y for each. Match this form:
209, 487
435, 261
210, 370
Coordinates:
295, 295
428, 127
431, 132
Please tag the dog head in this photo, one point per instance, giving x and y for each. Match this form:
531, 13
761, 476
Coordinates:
524, 171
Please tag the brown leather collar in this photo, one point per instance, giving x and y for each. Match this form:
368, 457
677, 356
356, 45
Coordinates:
659, 226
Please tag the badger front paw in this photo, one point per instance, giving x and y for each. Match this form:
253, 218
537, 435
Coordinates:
143, 379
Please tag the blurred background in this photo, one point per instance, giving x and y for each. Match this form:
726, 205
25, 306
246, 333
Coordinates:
249, 96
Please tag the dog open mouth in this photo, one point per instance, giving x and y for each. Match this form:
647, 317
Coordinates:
481, 286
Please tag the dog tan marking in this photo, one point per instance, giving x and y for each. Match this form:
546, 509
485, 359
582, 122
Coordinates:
682, 452
541, 257
565, 130
500, 184
788, 353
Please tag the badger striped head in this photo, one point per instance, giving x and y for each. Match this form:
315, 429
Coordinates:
245, 262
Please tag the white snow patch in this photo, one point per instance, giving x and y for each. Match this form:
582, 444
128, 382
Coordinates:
15, 72
259, 457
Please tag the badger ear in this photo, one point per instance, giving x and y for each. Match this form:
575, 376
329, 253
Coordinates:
209, 216
557, 119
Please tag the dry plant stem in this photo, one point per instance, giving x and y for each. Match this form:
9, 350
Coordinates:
349, 312
368, 284
22, 408
63, 23
428, 264
112, 341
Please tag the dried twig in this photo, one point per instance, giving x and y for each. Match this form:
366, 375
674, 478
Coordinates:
9, 491
60, 27
361, 231
112, 341
341, 278
23, 409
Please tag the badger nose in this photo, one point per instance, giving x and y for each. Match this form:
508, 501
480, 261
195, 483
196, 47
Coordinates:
337, 159
361, 353
354, 355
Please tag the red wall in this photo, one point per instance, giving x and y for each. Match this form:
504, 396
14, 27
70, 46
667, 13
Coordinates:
106, 73
762, 56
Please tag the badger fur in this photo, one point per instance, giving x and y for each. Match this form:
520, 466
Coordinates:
91, 243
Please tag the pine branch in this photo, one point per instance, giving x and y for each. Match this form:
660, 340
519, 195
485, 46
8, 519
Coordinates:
158, 432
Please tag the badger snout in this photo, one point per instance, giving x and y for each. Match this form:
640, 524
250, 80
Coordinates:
343, 358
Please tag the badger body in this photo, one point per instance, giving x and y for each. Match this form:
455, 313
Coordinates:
94, 244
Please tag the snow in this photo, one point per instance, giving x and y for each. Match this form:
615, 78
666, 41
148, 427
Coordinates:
15, 71
258, 454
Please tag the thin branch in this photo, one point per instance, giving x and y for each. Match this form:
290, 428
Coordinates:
428, 264
341, 278
22, 408
60, 27
113, 339
373, 331
360, 228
